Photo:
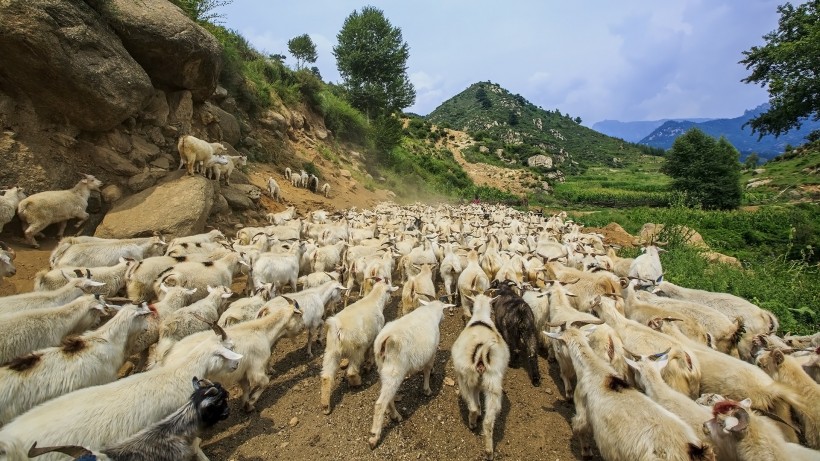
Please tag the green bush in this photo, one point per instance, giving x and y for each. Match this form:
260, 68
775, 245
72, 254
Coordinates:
310, 167
342, 119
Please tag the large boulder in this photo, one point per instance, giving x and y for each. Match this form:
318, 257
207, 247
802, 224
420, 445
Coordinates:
221, 125
175, 51
69, 63
175, 208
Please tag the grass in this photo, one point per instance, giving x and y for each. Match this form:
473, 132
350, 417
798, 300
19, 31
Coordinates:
777, 246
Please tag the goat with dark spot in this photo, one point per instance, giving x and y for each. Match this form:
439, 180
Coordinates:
516, 323
171, 439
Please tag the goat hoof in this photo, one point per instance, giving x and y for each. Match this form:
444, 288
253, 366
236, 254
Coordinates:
249, 408
372, 441
326, 409
488, 455
428, 392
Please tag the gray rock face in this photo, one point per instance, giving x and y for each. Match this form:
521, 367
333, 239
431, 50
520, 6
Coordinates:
69, 63
175, 208
174, 50
221, 125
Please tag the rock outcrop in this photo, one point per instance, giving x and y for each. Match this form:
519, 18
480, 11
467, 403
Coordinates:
69, 64
174, 208
175, 51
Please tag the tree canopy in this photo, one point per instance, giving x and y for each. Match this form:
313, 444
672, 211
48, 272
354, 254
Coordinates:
372, 59
788, 64
303, 49
705, 169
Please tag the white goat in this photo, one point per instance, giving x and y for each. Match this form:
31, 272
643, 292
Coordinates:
626, 424
480, 358
274, 190
113, 277
350, 334
326, 190
26, 331
191, 319
8, 204
82, 361
253, 339
219, 170
244, 309
111, 412
646, 268
43, 299
195, 152
403, 347
7, 256
106, 253
471, 280
40, 210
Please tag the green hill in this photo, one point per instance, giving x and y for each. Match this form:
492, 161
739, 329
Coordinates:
511, 129
791, 176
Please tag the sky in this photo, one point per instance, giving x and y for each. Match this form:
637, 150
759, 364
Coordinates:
597, 59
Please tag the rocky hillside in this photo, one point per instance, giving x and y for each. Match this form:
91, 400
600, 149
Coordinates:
106, 87
522, 131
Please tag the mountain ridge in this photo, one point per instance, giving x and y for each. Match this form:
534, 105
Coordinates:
634, 131
735, 132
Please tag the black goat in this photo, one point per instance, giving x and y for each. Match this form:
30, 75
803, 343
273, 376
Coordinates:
313, 183
172, 439
515, 321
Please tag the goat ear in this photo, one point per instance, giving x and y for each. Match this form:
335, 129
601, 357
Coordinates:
195, 383
228, 354
778, 357
552, 335
661, 363
632, 364
746, 403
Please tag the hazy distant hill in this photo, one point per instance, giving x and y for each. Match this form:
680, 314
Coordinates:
488, 111
635, 131
732, 128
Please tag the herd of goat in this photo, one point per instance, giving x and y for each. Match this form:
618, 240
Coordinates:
656, 371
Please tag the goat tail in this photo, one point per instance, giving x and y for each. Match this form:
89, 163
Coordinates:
38, 280
700, 452
334, 331
482, 356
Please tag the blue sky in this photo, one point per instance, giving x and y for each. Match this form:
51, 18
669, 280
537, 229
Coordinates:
597, 59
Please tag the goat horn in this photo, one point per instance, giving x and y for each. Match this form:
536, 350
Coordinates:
214, 326
634, 355
71, 450
659, 354
776, 418
581, 323
556, 325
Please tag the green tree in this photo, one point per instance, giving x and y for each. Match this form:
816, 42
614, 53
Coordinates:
481, 96
513, 118
705, 169
787, 64
202, 10
303, 49
578, 120
372, 59
751, 161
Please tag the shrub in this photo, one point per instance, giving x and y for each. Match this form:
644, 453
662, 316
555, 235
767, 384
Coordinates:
342, 119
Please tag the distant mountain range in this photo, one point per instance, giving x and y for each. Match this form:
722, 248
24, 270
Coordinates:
740, 136
635, 131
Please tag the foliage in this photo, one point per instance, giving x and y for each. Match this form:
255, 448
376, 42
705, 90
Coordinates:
342, 119
777, 246
371, 56
311, 168
787, 65
751, 161
202, 11
303, 49
707, 171
387, 134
